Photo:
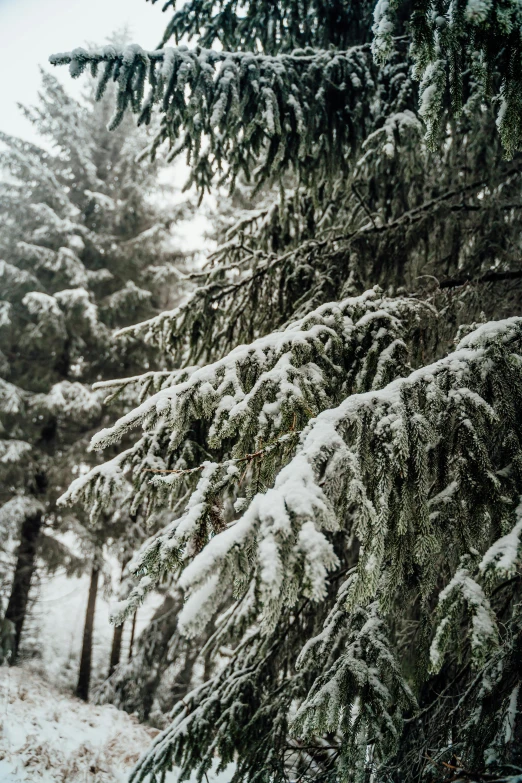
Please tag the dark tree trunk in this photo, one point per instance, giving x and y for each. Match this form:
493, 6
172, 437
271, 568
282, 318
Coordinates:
118, 634
133, 631
24, 569
84, 675
116, 648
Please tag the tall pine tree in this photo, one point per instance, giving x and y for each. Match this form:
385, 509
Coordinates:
85, 247
338, 440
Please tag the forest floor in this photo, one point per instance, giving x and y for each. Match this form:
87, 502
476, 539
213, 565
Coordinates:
49, 736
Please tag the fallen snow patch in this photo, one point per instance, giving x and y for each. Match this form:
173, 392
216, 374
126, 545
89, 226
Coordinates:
47, 735
51, 737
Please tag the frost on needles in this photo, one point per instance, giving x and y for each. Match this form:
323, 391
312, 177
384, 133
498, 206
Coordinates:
387, 467
330, 463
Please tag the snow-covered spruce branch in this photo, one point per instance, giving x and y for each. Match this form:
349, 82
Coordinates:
301, 364
240, 273
259, 390
216, 296
182, 539
353, 652
470, 591
236, 701
440, 37
232, 111
275, 28
391, 466
255, 396
237, 461
374, 460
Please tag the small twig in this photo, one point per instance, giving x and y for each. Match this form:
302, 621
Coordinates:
489, 277
462, 772
245, 458
363, 204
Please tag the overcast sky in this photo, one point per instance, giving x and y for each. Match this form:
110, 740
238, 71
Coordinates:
31, 30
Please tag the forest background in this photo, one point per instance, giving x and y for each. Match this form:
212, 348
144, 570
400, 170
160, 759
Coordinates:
317, 431
58, 602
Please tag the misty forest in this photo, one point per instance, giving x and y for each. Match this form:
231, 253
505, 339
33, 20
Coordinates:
279, 474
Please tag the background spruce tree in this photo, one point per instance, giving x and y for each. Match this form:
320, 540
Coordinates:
162, 667
86, 247
338, 441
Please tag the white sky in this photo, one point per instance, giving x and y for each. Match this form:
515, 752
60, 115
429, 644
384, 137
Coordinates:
31, 30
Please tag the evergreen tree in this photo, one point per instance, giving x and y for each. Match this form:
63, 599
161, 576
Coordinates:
161, 670
338, 441
85, 247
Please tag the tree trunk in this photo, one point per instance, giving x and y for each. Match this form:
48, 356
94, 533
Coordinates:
24, 569
84, 675
116, 648
133, 630
118, 633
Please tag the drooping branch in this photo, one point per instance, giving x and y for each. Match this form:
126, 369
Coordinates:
235, 111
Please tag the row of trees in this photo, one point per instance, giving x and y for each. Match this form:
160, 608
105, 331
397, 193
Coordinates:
86, 247
331, 459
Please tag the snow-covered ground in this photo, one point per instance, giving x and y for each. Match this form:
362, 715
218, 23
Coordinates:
48, 736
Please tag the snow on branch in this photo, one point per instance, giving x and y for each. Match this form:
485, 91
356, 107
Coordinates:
359, 454
262, 390
482, 36
282, 374
252, 404
236, 111
364, 660
377, 468
371, 460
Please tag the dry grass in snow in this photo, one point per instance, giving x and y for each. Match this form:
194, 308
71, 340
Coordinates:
51, 737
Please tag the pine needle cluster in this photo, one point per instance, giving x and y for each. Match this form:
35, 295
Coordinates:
337, 445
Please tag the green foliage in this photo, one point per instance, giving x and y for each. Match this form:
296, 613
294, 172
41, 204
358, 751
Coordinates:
344, 460
271, 27
470, 50
355, 658
79, 235
245, 111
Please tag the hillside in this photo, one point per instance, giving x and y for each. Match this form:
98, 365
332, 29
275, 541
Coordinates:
50, 737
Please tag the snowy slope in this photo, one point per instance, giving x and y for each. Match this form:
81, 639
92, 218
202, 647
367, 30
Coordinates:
51, 737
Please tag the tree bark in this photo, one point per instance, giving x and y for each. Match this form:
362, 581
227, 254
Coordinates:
118, 633
116, 648
84, 675
24, 570
133, 630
